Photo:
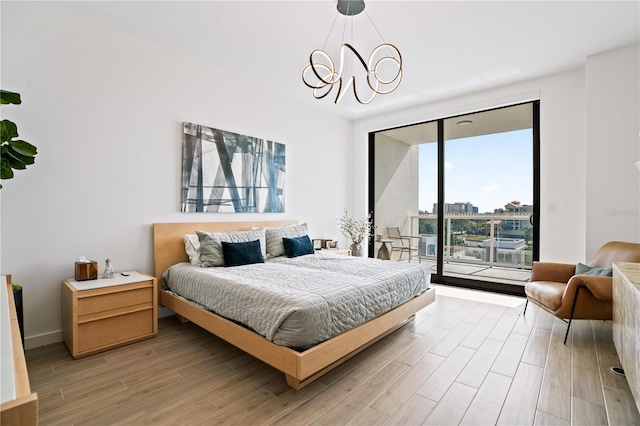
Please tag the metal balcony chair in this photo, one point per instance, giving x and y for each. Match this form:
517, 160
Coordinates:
401, 243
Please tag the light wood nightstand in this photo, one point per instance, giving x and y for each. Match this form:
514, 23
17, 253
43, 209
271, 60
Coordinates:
106, 313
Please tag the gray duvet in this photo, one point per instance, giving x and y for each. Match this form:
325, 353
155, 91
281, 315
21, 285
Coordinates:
300, 302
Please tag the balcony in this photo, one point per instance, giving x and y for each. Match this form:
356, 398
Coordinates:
483, 247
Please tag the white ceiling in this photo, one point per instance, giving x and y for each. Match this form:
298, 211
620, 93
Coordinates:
448, 47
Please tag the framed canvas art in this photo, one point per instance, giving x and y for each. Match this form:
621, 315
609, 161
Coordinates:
226, 172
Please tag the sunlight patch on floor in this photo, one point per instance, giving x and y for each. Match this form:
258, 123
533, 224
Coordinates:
478, 296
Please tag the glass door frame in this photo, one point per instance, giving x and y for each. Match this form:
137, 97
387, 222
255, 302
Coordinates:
438, 276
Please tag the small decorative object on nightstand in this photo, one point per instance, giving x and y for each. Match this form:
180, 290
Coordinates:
86, 269
108, 269
106, 313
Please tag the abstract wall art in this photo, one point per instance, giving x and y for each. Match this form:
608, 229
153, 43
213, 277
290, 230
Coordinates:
226, 172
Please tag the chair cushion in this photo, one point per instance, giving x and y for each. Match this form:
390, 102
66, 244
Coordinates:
582, 269
546, 293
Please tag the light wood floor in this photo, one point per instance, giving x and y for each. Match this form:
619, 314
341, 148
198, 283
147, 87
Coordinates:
459, 362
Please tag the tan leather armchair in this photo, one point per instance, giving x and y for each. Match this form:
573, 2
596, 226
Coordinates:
555, 288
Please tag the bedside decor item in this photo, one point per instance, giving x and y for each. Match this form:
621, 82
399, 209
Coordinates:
355, 229
382, 73
317, 244
225, 172
86, 269
108, 269
332, 245
16, 154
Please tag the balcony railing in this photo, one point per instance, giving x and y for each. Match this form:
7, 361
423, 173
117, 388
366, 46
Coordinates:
498, 240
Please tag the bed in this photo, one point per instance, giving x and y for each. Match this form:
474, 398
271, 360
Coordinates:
300, 366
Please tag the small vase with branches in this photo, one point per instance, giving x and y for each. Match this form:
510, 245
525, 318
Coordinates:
356, 229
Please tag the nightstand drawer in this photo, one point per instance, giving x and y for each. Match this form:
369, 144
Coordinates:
94, 303
115, 329
108, 312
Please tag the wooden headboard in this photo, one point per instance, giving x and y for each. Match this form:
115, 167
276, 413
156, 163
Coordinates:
168, 243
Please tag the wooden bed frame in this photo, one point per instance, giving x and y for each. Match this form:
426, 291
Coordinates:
300, 368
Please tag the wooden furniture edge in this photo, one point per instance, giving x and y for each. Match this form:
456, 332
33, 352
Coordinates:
297, 384
300, 368
24, 409
342, 345
279, 357
21, 411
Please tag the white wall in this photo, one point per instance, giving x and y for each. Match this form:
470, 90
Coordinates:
396, 186
589, 137
613, 147
105, 110
562, 134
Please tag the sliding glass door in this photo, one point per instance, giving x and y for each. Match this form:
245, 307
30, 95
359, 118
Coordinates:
464, 192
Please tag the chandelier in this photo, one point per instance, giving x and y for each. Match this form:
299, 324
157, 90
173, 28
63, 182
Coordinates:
382, 72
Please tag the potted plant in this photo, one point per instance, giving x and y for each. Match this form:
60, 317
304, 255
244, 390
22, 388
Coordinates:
16, 154
356, 229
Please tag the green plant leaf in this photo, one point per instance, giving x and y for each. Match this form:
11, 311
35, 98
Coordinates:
9, 98
6, 172
16, 154
15, 163
8, 130
16, 159
23, 147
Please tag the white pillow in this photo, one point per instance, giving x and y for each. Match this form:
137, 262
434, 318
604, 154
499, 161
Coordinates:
274, 236
211, 244
192, 247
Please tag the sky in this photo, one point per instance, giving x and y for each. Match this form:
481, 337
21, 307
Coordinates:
488, 171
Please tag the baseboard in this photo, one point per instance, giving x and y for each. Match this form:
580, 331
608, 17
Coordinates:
31, 342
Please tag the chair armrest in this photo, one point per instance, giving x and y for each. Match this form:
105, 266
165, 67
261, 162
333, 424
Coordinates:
551, 271
409, 236
601, 287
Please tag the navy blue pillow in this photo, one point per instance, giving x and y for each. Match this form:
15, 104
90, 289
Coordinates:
236, 254
295, 247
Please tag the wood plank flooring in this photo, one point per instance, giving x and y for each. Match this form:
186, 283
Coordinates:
459, 362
